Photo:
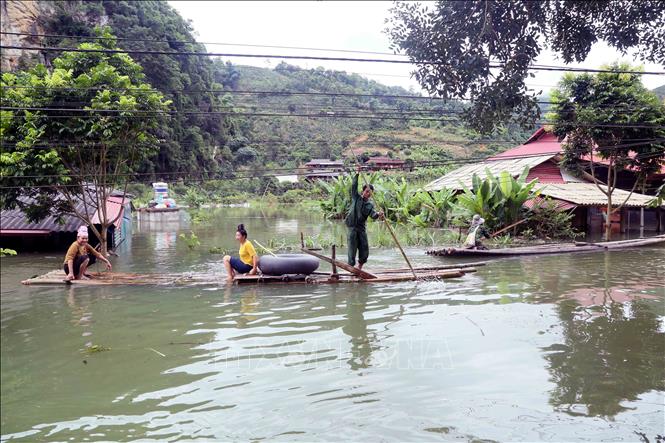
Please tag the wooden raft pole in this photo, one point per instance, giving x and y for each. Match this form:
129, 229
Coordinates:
264, 248
355, 271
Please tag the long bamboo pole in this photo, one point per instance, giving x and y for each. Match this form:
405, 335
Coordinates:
387, 223
264, 248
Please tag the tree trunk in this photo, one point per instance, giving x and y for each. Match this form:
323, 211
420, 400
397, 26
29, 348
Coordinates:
103, 245
608, 220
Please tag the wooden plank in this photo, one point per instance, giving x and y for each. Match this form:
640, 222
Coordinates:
550, 248
434, 268
339, 264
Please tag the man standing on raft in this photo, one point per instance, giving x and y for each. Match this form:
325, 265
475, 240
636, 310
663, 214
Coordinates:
361, 208
80, 256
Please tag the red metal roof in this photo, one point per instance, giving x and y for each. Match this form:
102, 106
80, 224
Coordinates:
561, 205
540, 143
547, 172
114, 210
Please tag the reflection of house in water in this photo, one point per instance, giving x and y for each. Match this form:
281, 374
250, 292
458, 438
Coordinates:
610, 338
606, 361
542, 153
18, 232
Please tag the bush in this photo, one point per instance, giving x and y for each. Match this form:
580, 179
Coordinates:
547, 221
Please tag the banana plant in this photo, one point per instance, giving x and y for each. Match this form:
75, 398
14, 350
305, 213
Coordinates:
499, 200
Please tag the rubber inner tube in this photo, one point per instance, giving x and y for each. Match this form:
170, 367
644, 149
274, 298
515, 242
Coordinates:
288, 264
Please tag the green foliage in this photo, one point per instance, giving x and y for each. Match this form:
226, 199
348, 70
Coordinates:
601, 111
191, 240
659, 199
95, 349
51, 158
499, 200
466, 38
435, 208
5, 252
546, 221
187, 142
597, 114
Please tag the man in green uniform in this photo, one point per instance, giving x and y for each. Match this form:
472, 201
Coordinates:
361, 208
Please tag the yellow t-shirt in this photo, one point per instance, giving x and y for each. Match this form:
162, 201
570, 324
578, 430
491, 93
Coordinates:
75, 250
247, 252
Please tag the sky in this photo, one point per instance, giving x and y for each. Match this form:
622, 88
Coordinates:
356, 26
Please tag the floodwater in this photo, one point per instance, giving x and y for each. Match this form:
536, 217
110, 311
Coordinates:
550, 348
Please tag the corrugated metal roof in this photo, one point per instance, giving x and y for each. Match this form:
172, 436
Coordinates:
384, 160
546, 172
15, 219
588, 194
540, 143
558, 204
461, 177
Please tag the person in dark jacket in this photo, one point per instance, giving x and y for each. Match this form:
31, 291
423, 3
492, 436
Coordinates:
361, 209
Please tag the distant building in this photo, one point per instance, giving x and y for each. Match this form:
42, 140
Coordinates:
17, 232
383, 163
287, 178
541, 153
324, 169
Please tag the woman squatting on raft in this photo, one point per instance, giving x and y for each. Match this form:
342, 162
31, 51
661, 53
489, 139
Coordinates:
80, 256
247, 262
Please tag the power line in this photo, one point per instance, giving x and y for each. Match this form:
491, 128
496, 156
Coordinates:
536, 66
422, 163
374, 116
307, 57
274, 94
192, 42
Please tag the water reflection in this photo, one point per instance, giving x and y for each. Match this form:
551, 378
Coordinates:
356, 328
536, 348
607, 360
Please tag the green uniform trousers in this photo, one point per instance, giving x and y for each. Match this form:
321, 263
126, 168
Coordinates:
357, 240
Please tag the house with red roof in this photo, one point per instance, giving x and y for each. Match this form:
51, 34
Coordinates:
383, 163
542, 154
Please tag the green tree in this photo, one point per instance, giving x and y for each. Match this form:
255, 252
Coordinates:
51, 158
455, 44
601, 116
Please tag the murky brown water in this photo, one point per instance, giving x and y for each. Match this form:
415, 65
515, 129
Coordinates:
552, 348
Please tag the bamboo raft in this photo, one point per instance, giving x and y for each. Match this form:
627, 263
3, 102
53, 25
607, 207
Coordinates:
380, 276
58, 277
353, 275
549, 248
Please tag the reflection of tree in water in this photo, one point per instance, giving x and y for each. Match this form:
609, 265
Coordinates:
607, 359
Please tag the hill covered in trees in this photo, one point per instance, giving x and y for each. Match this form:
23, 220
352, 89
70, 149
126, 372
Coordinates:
227, 116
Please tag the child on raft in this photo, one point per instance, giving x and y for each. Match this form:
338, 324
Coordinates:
247, 262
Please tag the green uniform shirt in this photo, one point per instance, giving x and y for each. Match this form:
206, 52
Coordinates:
360, 209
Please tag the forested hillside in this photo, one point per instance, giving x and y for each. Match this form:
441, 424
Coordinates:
299, 114
350, 112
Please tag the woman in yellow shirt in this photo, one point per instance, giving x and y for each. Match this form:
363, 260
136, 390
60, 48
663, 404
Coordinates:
248, 262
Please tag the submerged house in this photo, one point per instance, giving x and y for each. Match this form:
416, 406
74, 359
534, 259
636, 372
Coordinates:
542, 154
18, 232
